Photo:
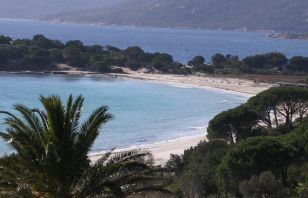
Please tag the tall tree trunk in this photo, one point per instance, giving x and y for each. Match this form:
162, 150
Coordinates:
288, 119
269, 119
276, 119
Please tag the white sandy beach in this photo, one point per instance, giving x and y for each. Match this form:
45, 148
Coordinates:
162, 150
227, 84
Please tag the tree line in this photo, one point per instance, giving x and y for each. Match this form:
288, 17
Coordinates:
41, 53
258, 149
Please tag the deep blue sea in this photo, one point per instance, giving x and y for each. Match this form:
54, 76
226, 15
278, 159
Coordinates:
182, 44
144, 112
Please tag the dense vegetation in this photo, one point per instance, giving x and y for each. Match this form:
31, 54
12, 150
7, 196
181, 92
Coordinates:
43, 54
269, 63
258, 149
51, 158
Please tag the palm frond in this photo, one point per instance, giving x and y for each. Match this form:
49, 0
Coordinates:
52, 154
90, 128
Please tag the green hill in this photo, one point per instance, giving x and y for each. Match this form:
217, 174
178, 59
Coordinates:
279, 15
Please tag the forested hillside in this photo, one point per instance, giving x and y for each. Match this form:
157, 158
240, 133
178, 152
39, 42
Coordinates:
279, 15
42, 8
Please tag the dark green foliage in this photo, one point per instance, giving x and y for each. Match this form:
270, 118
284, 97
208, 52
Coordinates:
234, 163
135, 53
4, 40
257, 61
289, 103
56, 55
3, 57
202, 162
13, 52
74, 56
18, 55
270, 63
233, 125
251, 157
196, 61
105, 68
175, 163
265, 104
298, 63
218, 59
43, 42
266, 61
265, 186
15, 179
76, 44
207, 69
196, 169
198, 65
37, 59
276, 59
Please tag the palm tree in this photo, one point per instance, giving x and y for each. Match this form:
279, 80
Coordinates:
52, 147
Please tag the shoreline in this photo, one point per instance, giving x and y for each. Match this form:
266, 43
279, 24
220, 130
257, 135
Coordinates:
161, 150
99, 24
237, 86
233, 85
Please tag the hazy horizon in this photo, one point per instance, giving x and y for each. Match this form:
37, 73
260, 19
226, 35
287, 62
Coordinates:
279, 15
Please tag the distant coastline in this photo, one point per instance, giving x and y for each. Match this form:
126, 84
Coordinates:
289, 36
59, 21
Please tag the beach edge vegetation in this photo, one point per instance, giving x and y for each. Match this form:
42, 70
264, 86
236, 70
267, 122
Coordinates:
43, 54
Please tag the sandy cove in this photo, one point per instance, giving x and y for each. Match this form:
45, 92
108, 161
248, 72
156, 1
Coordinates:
227, 84
162, 150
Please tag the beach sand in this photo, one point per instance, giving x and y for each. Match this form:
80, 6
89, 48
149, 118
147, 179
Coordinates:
162, 150
227, 84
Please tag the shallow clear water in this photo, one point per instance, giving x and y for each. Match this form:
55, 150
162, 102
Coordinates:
182, 44
144, 112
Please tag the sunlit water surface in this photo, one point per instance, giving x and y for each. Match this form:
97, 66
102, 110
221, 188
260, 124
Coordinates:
143, 112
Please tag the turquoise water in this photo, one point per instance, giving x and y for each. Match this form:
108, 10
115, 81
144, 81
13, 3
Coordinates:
182, 44
144, 112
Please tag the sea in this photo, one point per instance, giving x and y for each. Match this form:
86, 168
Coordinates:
144, 112
182, 44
